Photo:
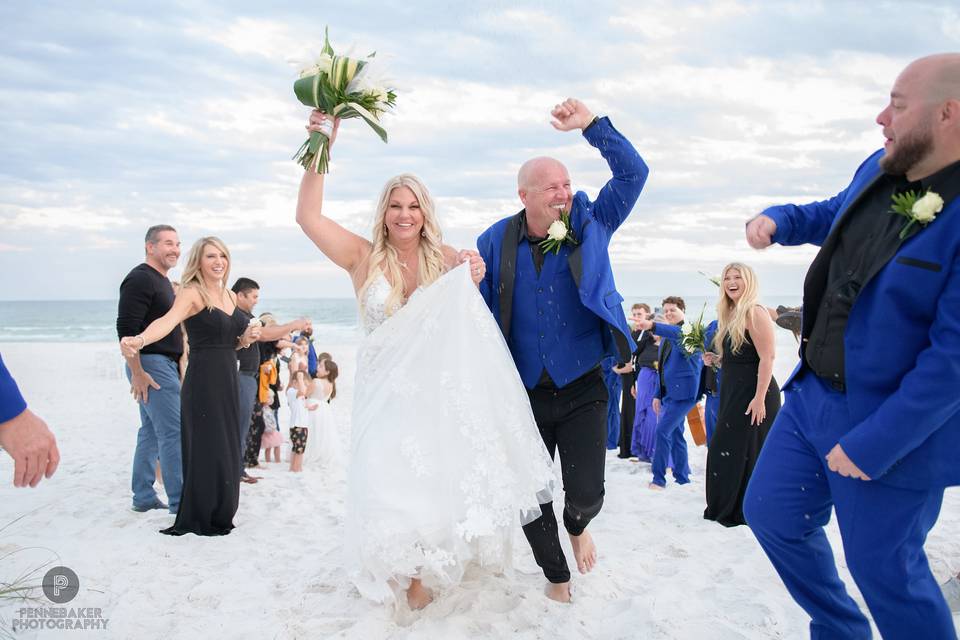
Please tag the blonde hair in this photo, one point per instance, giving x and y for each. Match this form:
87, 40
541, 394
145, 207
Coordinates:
383, 256
732, 316
267, 319
191, 273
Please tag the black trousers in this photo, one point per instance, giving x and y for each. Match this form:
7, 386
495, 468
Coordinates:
573, 421
628, 409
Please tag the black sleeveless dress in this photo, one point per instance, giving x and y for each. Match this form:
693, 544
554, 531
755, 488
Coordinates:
209, 410
736, 443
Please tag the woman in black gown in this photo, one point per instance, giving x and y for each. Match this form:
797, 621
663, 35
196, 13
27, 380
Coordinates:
749, 395
209, 398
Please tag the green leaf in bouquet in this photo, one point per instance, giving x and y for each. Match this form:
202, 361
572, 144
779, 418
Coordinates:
326, 41
314, 142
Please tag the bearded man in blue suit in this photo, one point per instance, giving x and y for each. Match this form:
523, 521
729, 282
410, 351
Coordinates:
877, 440
560, 313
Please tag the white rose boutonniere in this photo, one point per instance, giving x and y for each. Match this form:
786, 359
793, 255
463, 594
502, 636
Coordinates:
558, 234
916, 209
557, 230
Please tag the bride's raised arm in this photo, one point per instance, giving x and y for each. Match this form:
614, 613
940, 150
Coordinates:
345, 248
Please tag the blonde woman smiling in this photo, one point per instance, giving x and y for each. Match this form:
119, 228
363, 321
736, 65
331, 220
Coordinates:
749, 395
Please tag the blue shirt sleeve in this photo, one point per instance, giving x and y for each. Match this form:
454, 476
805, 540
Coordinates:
12, 403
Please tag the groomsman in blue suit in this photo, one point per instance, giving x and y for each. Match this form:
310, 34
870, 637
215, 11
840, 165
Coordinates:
679, 385
559, 310
871, 423
24, 435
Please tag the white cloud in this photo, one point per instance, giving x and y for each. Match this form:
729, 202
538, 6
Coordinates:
117, 120
267, 38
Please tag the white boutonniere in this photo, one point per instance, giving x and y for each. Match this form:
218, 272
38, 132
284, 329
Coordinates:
558, 233
916, 209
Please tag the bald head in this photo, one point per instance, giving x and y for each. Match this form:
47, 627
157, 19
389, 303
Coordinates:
543, 185
938, 76
533, 170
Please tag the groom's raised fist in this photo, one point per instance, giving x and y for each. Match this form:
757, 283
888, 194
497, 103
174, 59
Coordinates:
570, 114
760, 232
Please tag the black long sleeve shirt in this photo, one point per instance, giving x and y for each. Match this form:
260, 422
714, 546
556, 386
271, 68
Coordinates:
145, 295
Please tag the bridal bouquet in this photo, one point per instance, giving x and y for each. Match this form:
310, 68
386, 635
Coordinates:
694, 335
342, 87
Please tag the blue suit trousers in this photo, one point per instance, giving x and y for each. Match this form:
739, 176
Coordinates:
670, 441
789, 501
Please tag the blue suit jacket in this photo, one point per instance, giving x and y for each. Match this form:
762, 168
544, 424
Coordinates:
902, 340
681, 372
11, 402
593, 224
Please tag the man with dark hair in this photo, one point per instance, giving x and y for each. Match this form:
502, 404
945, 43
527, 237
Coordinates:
248, 360
679, 381
145, 295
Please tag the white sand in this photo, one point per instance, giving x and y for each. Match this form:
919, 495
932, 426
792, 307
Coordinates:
664, 572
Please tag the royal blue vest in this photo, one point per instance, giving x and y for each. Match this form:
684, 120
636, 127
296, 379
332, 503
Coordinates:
557, 332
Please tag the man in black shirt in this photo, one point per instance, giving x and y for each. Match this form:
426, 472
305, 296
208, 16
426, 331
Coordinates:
871, 422
145, 295
248, 360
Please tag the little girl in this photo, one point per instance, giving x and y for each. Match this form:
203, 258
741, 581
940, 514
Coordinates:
272, 438
299, 418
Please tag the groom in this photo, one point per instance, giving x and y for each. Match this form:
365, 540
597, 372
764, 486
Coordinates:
871, 426
560, 313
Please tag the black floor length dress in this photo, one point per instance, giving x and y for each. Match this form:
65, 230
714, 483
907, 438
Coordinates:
210, 442
736, 443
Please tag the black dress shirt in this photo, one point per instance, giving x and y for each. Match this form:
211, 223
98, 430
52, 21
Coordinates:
249, 359
536, 251
869, 236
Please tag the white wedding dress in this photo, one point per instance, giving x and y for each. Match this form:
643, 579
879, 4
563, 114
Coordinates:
323, 440
446, 459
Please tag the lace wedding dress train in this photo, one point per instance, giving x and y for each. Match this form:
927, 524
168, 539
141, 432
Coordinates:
446, 460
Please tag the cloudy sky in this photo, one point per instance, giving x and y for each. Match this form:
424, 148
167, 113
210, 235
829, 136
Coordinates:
116, 116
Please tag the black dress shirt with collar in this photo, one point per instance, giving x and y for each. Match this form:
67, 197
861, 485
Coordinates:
868, 237
535, 249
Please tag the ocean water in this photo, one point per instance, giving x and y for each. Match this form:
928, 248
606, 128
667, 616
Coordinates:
335, 320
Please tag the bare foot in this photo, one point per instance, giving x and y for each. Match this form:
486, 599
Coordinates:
655, 486
584, 551
559, 592
418, 596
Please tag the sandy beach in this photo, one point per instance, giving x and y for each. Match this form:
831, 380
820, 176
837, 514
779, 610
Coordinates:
663, 571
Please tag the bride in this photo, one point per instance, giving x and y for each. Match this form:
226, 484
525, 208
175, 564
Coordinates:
446, 459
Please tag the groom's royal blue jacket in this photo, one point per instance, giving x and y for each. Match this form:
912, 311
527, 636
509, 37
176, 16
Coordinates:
902, 340
568, 316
